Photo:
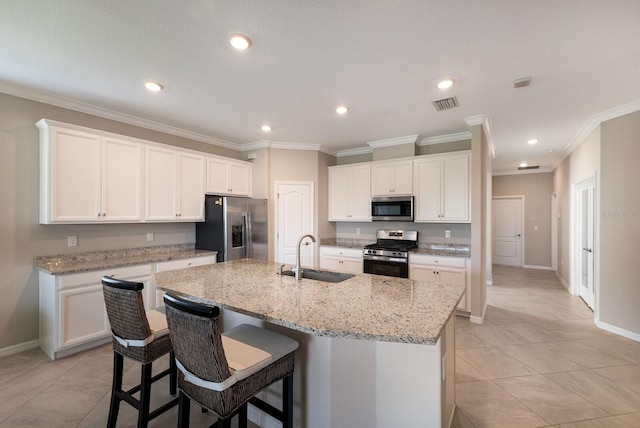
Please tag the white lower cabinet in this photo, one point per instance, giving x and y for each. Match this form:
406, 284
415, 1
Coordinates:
154, 297
444, 270
341, 259
72, 311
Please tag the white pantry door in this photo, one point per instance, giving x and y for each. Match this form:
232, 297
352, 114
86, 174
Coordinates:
507, 231
585, 221
294, 218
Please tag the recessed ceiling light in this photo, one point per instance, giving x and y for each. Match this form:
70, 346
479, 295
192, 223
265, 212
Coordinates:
522, 165
342, 109
532, 141
550, 150
445, 83
266, 128
153, 86
240, 41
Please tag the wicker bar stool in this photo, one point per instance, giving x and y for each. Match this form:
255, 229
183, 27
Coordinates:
223, 372
141, 336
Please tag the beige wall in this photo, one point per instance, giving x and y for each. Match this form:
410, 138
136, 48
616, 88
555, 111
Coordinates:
325, 228
619, 294
453, 146
22, 238
394, 152
480, 185
537, 190
346, 160
302, 165
583, 163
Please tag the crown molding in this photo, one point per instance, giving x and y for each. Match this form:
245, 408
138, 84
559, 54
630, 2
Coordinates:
75, 105
521, 172
409, 139
294, 146
485, 121
262, 144
448, 138
592, 123
354, 152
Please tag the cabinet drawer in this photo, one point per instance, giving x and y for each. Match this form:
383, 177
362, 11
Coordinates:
341, 252
185, 263
93, 277
453, 262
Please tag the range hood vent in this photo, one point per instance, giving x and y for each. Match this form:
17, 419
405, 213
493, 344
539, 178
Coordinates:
445, 103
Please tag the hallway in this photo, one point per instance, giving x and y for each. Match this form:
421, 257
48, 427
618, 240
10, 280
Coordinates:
539, 361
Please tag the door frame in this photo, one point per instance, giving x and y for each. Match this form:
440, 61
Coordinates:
522, 232
576, 247
276, 230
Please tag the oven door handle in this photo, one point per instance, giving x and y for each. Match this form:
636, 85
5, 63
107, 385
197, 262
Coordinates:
385, 259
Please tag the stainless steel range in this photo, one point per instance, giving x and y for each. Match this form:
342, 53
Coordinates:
390, 254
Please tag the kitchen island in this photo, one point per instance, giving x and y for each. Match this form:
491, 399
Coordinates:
374, 350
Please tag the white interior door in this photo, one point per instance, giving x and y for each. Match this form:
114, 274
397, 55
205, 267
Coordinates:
294, 212
507, 231
585, 195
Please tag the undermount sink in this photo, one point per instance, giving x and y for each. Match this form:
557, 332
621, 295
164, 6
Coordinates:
321, 275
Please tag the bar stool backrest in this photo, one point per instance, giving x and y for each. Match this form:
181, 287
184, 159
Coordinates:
125, 308
195, 333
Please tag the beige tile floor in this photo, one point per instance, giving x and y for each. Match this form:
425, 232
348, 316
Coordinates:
538, 361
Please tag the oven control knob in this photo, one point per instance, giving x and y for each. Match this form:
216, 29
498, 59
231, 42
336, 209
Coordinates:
373, 252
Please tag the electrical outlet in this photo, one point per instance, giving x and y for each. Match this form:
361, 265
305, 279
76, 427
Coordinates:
447, 234
149, 236
72, 241
357, 231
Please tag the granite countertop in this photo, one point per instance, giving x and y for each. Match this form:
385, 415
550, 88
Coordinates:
367, 307
98, 260
357, 244
426, 248
446, 250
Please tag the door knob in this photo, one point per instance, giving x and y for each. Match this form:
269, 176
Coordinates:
518, 235
588, 249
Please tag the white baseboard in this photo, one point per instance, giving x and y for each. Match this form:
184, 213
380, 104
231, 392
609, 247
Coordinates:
564, 283
20, 347
617, 330
537, 267
479, 320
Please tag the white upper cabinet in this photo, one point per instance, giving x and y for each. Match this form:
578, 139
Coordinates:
87, 177
392, 178
122, 185
174, 185
226, 177
350, 193
441, 185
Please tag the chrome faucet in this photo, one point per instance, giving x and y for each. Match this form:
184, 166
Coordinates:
297, 271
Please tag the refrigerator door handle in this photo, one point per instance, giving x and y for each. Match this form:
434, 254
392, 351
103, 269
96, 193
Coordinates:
246, 220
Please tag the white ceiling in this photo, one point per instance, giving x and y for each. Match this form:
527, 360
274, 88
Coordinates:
381, 58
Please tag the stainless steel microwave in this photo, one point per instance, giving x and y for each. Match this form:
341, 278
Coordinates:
392, 208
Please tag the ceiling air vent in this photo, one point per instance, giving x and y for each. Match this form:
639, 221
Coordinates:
529, 167
445, 103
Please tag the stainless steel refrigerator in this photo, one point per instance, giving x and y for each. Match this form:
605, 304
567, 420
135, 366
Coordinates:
236, 228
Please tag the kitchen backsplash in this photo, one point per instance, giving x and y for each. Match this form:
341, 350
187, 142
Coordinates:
427, 232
